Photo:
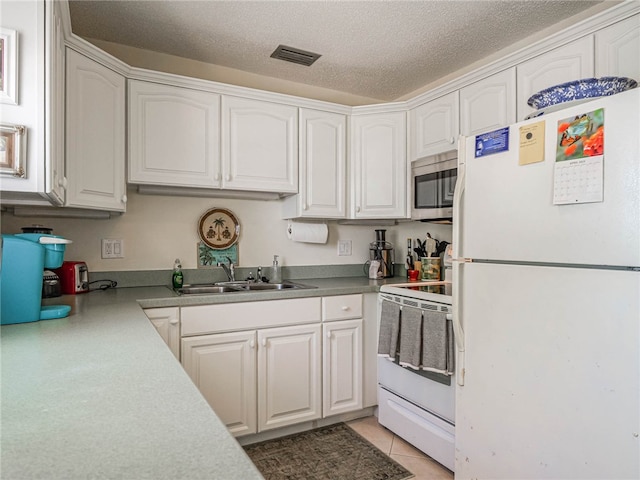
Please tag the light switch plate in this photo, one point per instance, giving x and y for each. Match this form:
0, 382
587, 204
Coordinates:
112, 248
344, 248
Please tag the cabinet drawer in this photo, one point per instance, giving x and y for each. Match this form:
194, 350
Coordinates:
227, 317
341, 307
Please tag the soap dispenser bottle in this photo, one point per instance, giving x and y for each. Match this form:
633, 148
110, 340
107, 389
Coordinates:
276, 272
177, 278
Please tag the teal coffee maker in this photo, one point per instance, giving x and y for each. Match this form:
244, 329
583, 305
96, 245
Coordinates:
24, 258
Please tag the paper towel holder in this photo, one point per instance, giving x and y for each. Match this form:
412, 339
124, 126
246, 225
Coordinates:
290, 223
307, 232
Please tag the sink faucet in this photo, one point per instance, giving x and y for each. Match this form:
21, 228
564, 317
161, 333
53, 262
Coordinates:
229, 270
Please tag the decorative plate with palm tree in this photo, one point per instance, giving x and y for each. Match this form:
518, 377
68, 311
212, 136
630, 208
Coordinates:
219, 228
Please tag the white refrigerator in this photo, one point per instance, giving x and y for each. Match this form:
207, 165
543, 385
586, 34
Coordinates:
547, 298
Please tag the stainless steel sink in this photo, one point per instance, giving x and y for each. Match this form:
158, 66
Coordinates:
237, 287
207, 289
273, 286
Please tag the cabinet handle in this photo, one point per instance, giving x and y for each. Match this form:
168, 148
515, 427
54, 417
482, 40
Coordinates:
228, 178
62, 182
174, 321
328, 334
304, 206
357, 209
345, 308
451, 140
124, 199
252, 344
216, 177
264, 342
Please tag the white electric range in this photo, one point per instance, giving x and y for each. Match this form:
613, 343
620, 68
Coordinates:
418, 405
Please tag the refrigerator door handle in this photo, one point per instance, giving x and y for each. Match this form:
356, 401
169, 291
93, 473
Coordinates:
458, 262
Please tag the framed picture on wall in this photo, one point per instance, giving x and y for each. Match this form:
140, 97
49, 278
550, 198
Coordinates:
12, 150
8, 66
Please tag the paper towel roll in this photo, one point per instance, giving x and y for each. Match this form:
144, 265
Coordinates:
308, 232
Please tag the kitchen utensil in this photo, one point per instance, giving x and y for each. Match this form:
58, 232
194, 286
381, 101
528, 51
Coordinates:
430, 246
409, 255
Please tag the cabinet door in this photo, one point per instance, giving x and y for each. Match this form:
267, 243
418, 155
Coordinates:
434, 126
95, 135
223, 367
488, 104
55, 180
342, 367
167, 323
289, 380
379, 187
618, 49
572, 61
259, 145
322, 167
174, 136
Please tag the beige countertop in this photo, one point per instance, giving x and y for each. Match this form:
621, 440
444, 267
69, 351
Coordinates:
99, 395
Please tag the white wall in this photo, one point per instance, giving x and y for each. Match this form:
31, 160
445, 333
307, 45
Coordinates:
158, 229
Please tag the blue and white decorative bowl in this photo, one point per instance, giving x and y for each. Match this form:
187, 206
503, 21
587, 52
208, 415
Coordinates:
579, 89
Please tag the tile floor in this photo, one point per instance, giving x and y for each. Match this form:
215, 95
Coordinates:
421, 465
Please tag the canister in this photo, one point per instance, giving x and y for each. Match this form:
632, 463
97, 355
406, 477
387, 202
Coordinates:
431, 268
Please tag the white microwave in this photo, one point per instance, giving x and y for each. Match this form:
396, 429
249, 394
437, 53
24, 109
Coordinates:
433, 180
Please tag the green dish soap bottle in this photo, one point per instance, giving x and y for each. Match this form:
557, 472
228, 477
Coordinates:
177, 278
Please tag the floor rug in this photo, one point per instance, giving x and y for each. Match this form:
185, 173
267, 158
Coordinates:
326, 453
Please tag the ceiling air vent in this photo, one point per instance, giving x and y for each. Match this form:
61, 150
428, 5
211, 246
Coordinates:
295, 55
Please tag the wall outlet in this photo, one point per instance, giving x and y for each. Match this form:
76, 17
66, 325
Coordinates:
112, 248
344, 248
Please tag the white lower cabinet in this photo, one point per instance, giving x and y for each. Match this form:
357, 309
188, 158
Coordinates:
260, 379
223, 367
167, 322
342, 354
289, 376
342, 366
271, 364
258, 364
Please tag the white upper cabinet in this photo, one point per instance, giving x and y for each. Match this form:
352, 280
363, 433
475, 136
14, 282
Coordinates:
322, 178
618, 49
570, 62
35, 101
174, 136
434, 126
55, 181
488, 104
379, 165
259, 145
95, 135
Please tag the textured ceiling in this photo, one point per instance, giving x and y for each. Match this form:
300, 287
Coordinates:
376, 49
